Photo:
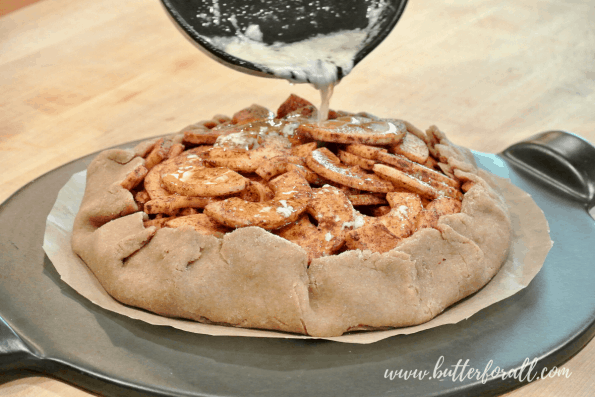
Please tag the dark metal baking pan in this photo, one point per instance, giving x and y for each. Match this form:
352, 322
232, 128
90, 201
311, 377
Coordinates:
47, 327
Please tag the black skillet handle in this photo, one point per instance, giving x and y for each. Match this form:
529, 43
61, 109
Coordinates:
561, 159
14, 353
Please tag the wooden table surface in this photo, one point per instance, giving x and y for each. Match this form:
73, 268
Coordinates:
78, 76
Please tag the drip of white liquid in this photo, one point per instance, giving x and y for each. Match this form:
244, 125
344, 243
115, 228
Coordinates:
326, 92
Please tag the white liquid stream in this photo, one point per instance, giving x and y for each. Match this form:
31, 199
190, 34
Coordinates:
312, 61
326, 92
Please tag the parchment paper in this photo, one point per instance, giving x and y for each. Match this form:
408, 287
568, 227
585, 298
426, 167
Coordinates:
530, 245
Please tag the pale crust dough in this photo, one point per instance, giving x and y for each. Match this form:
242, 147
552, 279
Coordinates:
254, 279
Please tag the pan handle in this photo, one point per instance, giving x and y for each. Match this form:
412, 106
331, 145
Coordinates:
14, 353
561, 159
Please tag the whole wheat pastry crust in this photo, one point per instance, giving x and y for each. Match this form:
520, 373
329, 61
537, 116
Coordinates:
252, 278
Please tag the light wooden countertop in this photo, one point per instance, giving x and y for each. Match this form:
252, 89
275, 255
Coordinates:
78, 76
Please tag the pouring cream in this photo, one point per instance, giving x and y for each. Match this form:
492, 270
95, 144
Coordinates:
322, 60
